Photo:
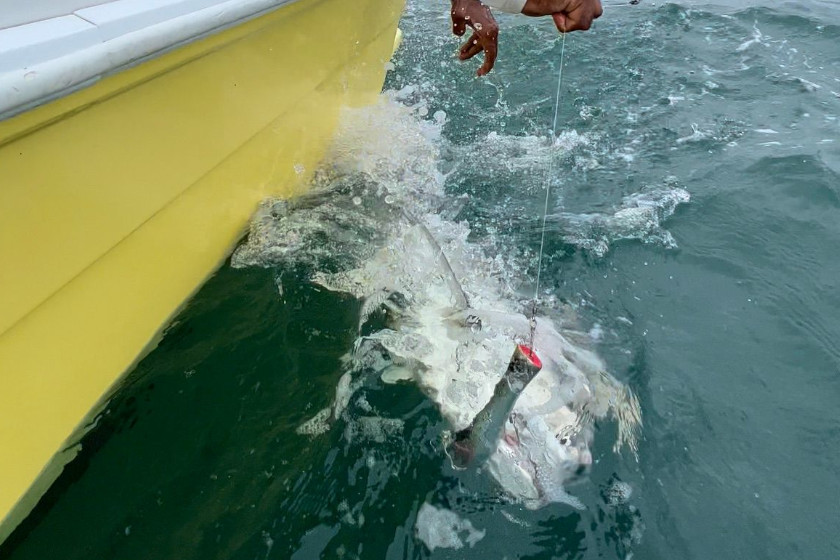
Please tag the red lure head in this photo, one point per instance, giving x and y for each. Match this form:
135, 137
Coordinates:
530, 355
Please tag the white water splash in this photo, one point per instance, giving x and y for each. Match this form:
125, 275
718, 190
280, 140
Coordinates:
517, 153
372, 228
639, 217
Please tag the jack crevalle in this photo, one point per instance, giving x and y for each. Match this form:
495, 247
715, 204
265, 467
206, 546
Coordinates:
385, 235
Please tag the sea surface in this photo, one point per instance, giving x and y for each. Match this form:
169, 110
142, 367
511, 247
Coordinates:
694, 229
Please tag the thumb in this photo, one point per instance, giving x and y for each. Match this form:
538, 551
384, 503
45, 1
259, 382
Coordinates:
560, 21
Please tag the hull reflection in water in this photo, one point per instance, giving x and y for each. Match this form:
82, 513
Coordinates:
438, 309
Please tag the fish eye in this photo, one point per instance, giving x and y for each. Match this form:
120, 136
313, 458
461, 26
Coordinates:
563, 440
474, 323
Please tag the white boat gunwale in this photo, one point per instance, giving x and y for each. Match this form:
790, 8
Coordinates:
51, 58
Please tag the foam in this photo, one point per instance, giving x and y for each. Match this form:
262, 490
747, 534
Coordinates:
619, 493
442, 528
517, 153
639, 217
316, 425
373, 428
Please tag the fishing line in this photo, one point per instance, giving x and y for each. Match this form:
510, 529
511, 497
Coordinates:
533, 320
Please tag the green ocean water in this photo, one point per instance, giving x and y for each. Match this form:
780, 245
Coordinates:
724, 318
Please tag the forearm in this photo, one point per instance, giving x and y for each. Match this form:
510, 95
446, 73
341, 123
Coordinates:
537, 8
510, 6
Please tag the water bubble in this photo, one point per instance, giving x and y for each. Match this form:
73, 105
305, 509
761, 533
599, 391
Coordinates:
357, 200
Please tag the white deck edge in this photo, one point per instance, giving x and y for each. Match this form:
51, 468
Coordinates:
68, 70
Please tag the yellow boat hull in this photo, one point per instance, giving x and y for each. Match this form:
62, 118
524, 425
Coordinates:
118, 201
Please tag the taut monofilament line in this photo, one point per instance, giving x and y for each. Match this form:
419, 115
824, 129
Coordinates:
533, 321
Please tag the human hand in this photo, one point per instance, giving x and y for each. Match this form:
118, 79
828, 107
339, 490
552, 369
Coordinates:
485, 36
568, 15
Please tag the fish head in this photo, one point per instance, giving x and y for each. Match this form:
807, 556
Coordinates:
537, 458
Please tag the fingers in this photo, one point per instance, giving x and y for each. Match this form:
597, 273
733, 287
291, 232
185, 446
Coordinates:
485, 36
578, 19
491, 49
470, 48
567, 22
487, 33
474, 46
560, 22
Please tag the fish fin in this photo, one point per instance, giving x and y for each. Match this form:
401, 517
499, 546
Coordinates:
371, 304
559, 497
613, 397
564, 497
451, 279
324, 418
